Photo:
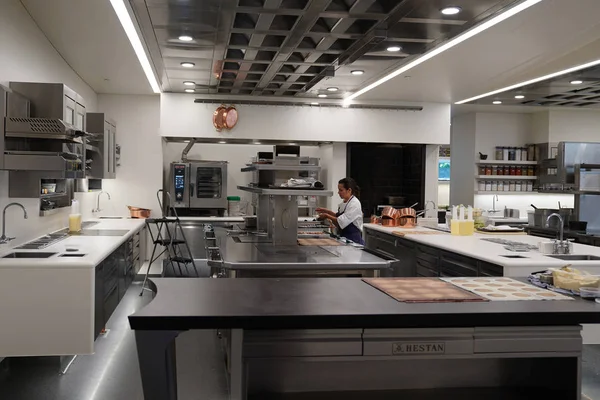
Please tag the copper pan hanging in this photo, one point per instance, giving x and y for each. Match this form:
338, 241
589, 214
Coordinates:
230, 118
219, 118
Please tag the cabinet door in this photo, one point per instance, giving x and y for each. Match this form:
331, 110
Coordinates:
69, 110
405, 253
452, 264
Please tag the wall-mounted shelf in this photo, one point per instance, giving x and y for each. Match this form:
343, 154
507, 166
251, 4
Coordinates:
507, 177
286, 192
506, 162
279, 167
504, 193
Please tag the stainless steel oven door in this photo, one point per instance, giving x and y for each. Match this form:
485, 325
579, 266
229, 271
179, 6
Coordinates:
208, 185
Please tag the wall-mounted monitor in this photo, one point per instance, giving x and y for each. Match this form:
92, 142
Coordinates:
444, 169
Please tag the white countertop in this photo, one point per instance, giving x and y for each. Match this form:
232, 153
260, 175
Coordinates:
95, 248
474, 247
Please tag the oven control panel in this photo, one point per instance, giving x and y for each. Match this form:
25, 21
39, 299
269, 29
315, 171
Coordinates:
179, 179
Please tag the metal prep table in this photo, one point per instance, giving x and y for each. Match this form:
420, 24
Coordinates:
341, 338
260, 258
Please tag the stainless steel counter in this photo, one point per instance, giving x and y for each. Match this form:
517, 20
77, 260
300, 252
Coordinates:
304, 260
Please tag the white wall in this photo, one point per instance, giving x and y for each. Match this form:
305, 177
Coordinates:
26, 55
140, 174
462, 162
574, 126
443, 198
540, 127
180, 116
501, 129
334, 162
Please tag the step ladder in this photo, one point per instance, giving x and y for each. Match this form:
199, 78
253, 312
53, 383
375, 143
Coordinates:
167, 236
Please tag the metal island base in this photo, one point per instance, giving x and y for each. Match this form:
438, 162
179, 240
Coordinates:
240, 259
341, 338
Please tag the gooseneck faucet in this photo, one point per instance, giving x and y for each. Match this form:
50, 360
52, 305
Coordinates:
97, 209
561, 246
3, 238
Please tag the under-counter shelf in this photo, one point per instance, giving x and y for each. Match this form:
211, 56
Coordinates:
506, 162
279, 167
286, 191
508, 177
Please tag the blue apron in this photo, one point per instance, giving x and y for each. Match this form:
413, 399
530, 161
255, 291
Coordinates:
351, 232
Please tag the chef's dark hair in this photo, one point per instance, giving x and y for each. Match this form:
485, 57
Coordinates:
350, 183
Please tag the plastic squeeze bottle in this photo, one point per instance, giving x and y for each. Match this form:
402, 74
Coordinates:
75, 217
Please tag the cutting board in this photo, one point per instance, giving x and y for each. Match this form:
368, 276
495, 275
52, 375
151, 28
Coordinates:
319, 242
403, 233
422, 290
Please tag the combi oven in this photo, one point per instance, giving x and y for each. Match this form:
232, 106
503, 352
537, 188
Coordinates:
199, 185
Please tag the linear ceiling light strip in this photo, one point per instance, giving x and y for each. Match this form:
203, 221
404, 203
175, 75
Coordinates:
532, 81
447, 46
136, 43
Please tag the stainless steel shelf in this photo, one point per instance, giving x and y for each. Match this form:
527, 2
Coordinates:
505, 162
286, 192
278, 167
507, 177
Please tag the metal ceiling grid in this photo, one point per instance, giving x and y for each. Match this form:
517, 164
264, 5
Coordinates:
556, 92
294, 47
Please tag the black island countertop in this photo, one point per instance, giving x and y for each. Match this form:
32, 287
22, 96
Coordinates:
332, 303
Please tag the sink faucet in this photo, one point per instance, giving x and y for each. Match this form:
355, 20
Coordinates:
561, 246
427, 209
494, 200
97, 209
3, 238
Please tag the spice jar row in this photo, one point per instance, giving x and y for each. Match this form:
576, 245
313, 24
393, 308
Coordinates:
505, 186
526, 153
509, 170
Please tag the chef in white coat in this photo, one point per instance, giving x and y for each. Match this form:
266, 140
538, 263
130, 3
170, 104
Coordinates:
349, 218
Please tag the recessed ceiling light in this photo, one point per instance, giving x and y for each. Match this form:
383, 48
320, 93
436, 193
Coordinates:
447, 45
322, 95
357, 72
222, 142
497, 102
187, 64
576, 82
190, 90
451, 10
314, 103
292, 144
189, 83
332, 89
256, 142
132, 34
519, 96
186, 38
394, 48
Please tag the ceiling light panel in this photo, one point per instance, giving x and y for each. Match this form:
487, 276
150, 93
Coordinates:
240, 49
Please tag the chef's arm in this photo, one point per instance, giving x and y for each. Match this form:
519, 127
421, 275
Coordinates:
333, 220
325, 212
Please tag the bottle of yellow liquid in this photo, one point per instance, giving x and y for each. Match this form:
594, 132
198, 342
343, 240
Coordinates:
75, 217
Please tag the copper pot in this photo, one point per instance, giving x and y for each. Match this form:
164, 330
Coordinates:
407, 212
375, 220
407, 221
219, 117
389, 212
138, 212
389, 222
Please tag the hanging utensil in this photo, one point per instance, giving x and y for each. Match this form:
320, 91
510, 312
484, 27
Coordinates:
534, 207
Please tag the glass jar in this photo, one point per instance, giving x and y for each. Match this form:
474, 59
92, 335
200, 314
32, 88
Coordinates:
523, 153
505, 153
512, 153
488, 170
481, 186
518, 170
500, 170
512, 170
501, 186
506, 186
531, 152
488, 186
530, 186
531, 170
494, 186
517, 154
506, 170
495, 170
499, 153
512, 186
518, 186
482, 170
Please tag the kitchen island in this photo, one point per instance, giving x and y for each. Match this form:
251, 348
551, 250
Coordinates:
58, 299
318, 336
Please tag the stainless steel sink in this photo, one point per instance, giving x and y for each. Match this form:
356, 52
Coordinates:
575, 257
25, 254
